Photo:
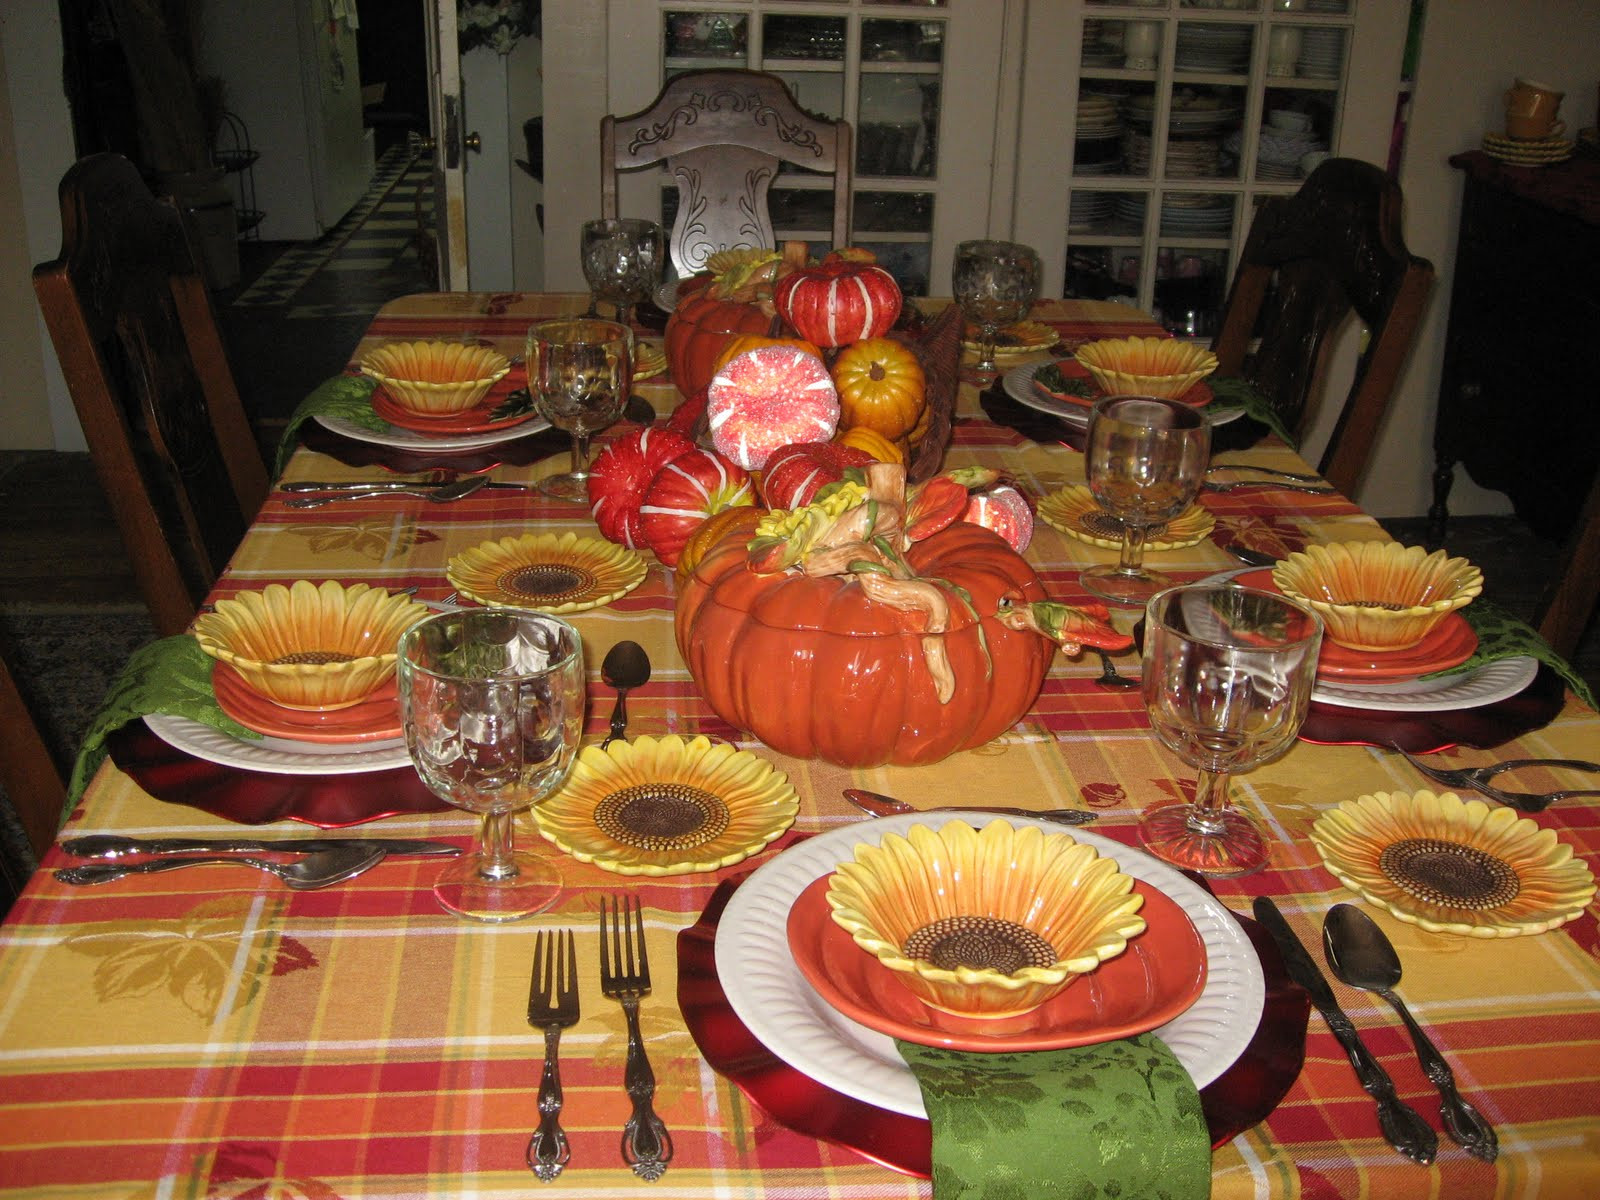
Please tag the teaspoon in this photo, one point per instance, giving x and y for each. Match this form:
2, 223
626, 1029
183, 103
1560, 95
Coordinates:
1361, 955
311, 872
626, 666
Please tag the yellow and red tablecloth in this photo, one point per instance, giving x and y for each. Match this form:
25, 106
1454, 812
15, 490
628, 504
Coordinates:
208, 1033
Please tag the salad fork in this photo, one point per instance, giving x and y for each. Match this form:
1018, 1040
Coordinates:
1479, 779
625, 978
552, 1006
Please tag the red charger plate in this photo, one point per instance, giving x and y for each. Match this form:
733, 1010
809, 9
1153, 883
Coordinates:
1242, 1096
373, 719
1161, 974
1198, 396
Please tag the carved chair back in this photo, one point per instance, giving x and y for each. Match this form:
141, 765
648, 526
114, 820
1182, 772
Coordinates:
133, 328
723, 136
1311, 258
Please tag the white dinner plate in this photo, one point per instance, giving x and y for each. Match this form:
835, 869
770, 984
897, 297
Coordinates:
1019, 386
1470, 689
770, 995
278, 756
407, 440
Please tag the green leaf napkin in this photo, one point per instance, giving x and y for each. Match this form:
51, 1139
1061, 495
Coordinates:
1117, 1119
348, 397
1233, 392
170, 676
1501, 634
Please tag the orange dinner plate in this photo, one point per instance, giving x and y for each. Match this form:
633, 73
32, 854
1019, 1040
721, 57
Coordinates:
1198, 396
376, 718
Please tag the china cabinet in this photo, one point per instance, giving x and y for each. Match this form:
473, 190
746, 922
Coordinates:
1144, 155
916, 81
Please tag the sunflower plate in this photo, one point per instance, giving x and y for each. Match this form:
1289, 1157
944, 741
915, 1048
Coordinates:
551, 572
666, 806
1074, 511
1022, 338
648, 361
1454, 866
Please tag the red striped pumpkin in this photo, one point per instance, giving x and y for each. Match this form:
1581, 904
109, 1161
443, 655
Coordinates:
836, 303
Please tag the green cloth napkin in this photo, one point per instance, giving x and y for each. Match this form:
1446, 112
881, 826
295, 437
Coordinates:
346, 396
1232, 392
1503, 635
170, 676
1117, 1119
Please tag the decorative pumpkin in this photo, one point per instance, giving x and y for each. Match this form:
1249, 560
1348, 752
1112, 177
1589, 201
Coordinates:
769, 397
1005, 510
795, 474
737, 521
872, 443
698, 330
881, 386
620, 476
836, 303
684, 493
912, 659
738, 344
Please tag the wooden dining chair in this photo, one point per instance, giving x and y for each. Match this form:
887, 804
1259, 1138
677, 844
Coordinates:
1333, 247
133, 328
28, 771
723, 136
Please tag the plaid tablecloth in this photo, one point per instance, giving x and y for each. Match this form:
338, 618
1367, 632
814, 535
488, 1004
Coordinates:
208, 1033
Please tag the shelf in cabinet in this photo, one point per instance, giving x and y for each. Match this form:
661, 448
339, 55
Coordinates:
830, 66
703, 62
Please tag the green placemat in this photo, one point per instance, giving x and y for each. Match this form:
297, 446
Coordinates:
171, 676
1118, 1119
1501, 634
1231, 392
348, 397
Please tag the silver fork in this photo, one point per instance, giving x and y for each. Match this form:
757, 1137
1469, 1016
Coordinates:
625, 978
1239, 485
1479, 779
552, 1006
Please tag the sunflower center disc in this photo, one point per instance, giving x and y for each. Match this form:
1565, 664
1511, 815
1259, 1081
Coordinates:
662, 816
315, 658
548, 581
985, 943
1104, 525
1449, 874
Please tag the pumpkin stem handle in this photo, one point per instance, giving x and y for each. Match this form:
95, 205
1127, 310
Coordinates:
1069, 627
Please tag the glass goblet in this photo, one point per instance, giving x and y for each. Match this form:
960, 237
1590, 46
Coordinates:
995, 283
1227, 682
1144, 459
622, 262
492, 703
580, 372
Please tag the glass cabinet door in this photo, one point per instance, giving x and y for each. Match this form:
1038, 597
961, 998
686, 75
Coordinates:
886, 67
1186, 115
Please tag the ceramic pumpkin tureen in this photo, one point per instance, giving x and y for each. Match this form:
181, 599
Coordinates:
871, 627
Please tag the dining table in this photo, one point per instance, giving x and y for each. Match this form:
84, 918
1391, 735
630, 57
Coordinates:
212, 1033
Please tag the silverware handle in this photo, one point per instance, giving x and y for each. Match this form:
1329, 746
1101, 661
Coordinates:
1402, 1126
319, 501
619, 719
646, 1144
548, 1150
1240, 484
105, 872
368, 485
1575, 764
109, 848
1298, 476
1465, 1124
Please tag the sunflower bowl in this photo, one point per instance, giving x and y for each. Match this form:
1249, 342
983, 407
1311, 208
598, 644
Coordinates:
985, 923
1454, 866
436, 379
1378, 595
1146, 366
310, 646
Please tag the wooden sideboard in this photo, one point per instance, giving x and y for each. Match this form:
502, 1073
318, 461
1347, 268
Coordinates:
1519, 398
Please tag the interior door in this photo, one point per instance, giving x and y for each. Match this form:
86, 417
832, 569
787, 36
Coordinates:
449, 146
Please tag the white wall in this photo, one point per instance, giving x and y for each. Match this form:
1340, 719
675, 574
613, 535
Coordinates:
1471, 52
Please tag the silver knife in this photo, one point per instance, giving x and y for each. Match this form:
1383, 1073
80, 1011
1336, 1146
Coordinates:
880, 805
112, 846
392, 485
1402, 1125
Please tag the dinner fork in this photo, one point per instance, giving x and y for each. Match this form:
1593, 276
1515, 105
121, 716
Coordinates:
552, 1006
1478, 779
1239, 485
625, 978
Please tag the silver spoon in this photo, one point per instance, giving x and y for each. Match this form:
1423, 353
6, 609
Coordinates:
311, 872
1362, 956
626, 666
443, 494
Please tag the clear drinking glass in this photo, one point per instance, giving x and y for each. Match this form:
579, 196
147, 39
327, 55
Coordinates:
622, 260
492, 702
1227, 682
580, 372
1144, 459
995, 283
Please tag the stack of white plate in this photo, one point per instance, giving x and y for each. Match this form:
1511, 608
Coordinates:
1192, 112
1187, 158
1279, 153
1098, 49
1321, 54
1130, 206
1195, 213
1098, 117
1087, 211
1217, 49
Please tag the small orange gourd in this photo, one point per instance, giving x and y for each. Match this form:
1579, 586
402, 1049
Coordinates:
881, 386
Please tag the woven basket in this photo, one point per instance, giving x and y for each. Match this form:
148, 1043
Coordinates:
938, 346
